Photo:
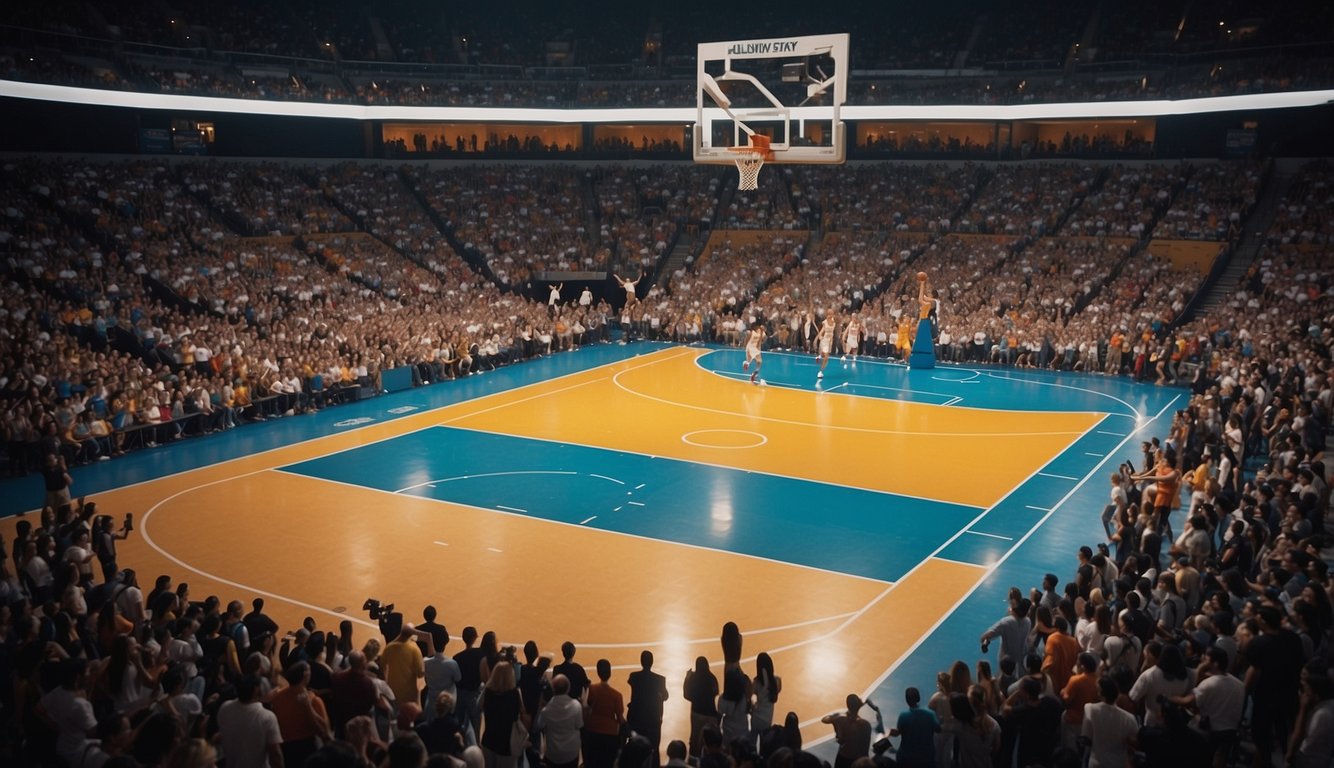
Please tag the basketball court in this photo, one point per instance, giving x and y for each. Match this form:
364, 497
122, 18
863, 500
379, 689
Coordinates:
862, 528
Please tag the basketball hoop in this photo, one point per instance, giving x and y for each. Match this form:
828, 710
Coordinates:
750, 159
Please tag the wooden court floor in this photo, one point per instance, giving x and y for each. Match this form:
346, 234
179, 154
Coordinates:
646, 496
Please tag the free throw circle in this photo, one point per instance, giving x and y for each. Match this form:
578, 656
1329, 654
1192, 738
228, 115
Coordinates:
724, 438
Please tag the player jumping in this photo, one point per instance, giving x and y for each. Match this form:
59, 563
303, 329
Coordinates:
629, 287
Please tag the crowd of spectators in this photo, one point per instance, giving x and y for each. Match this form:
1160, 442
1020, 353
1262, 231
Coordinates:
1194, 627
1028, 200
236, 263
1126, 202
770, 206
1303, 217
1212, 203
132, 300
908, 198
520, 219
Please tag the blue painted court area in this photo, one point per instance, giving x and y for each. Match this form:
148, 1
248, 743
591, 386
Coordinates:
995, 389
834, 528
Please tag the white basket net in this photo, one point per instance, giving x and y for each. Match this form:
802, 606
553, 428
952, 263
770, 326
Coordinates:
748, 164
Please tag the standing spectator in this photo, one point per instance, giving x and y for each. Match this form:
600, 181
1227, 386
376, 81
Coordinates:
572, 670
1108, 731
248, 732
701, 690
1220, 699
302, 719
1173, 743
104, 544
67, 709
976, 733
56, 480
917, 728
1013, 631
648, 691
606, 714
712, 754
469, 686
440, 733
502, 713
560, 722
1116, 505
533, 688
353, 691
734, 703
402, 665
441, 672
1082, 689
1060, 653
256, 622
439, 635
1167, 677
1313, 741
1272, 680
1171, 607
1036, 719
767, 686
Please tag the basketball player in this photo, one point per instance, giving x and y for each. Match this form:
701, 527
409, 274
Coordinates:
754, 343
629, 286
852, 338
824, 342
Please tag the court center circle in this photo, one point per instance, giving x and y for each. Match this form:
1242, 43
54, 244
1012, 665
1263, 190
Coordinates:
731, 439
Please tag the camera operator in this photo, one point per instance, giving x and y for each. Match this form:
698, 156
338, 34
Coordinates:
390, 621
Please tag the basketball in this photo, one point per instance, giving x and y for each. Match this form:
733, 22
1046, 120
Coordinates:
921, 277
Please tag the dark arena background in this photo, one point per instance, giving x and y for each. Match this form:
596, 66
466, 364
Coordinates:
395, 383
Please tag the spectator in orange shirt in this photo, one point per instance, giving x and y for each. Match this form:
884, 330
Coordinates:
605, 716
302, 718
1061, 651
1082, 689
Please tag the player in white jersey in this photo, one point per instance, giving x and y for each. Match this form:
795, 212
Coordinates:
852, 338
824, 342
754, 345
629, 286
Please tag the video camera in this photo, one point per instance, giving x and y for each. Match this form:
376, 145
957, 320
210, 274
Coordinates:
375, 609
390, 621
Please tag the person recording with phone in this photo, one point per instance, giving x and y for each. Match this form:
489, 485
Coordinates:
104, 542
